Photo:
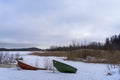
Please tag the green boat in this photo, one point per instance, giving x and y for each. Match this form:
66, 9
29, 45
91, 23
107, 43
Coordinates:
65, 68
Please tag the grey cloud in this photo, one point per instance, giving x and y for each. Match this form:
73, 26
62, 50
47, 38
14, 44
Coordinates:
47, 23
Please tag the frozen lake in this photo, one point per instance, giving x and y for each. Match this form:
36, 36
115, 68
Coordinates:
16, 52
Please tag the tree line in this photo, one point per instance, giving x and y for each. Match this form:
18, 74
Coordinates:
21, 49
111, 43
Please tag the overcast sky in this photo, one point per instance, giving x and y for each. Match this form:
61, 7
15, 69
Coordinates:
45, 23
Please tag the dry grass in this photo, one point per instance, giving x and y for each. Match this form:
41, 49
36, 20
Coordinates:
86, 55
51, 53
97, 56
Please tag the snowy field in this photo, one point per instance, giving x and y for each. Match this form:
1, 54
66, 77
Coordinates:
16, 52
86, 71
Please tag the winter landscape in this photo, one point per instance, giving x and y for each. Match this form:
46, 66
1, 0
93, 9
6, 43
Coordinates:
59, 39
86, 71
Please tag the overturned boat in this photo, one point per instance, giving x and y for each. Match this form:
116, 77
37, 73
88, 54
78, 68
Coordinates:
25, 66
65, 68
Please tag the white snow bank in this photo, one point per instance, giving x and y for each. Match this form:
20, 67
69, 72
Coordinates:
114, 74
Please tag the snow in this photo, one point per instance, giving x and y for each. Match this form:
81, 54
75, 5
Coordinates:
16, 52
86, 71
115, 74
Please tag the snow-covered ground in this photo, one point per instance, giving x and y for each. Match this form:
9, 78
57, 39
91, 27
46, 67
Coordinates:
115, 74
16, 52
86, 71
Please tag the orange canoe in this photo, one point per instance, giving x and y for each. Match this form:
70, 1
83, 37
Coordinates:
23, 65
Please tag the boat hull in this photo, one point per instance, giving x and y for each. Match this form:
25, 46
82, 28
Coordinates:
25, 66
65, 68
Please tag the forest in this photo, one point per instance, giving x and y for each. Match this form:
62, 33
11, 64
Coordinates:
111, 43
